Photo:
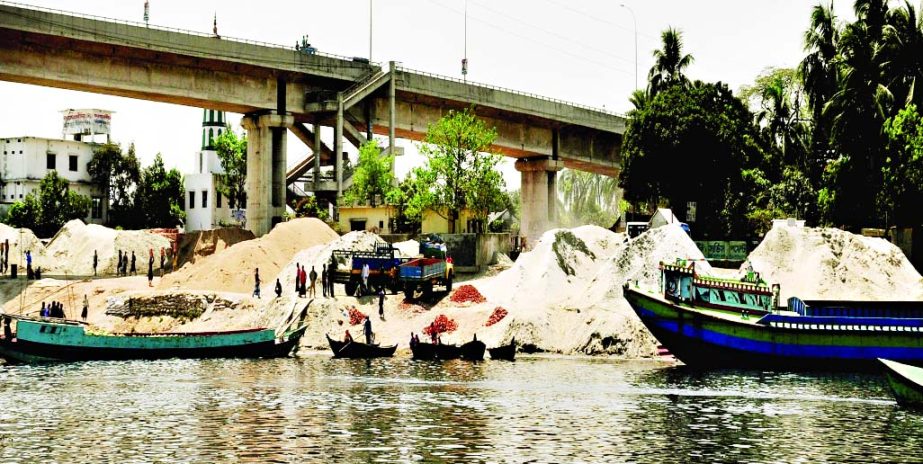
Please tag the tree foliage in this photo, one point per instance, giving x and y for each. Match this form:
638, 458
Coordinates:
160, 194
55, 205
373, 177
460, 172
232, 151
692, 145
117, 175
670, 63
902, 191
589, 198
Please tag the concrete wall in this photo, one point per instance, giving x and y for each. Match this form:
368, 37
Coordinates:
211, 216
377, 217
474, 252
435, 223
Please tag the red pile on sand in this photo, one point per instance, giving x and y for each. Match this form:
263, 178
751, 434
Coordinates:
356, 317
441, 324
467, 293
497, 316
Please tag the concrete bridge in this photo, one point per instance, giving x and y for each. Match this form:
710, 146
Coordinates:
280, 89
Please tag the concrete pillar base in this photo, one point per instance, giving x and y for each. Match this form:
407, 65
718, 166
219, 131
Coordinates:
266, 163
537, 195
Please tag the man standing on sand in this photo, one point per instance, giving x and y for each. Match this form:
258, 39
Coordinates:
86, 308
150, 267
381, 303
118, 267
368, 330
297, 279
278, 288
323, 280
303, 278
313, 277
365, 278
95, 262
256, 282
163, 260
134, 269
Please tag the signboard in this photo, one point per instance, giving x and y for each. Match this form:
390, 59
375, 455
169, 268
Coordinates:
690, 211
723, 250
87, 122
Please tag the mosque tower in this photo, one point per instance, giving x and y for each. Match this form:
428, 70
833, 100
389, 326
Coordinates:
206, 208
213, 125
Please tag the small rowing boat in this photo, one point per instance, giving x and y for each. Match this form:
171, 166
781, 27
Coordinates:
505, 352
906, 382
356, 350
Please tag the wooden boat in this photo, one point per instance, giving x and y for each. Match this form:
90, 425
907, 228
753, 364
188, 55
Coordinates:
709, 322
906, 382
473, 350
435, 351
357, 350
505, 352
54, 340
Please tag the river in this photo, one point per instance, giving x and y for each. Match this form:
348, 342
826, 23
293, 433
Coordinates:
537, 409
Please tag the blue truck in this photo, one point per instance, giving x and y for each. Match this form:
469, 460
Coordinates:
425, 273
383, 262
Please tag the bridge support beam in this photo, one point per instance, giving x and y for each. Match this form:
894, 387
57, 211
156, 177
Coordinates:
266, 168
537, 195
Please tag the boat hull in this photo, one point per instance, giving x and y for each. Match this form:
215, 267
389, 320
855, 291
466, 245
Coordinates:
356, 350
70, 342
473, 350
906, 383
701, 340
431, 351
504, 353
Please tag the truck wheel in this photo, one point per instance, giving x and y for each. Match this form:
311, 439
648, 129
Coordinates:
351, 287
408, 291
427, 289
448, 284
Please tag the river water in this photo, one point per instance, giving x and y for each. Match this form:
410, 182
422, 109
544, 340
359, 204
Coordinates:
538, 409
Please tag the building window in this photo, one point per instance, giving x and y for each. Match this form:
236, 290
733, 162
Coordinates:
231, 202
97, 209
191, 199
72, 162
218, 199
205, 198
49, 161
201, 159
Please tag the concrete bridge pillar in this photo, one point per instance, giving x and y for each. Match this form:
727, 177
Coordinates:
266, 168
537, 196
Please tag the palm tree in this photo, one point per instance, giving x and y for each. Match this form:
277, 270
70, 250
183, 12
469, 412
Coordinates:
640, 98
669, 62
902, 60
818, 70
781, 117
589, 198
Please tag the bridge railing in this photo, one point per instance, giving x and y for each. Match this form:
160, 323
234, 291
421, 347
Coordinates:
165, 28
513, 91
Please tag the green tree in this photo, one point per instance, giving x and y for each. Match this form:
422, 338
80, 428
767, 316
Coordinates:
117, 175
24, 213
589, 198
902, 191
58, 204
232, 151
691, 144
373, 177
460, 172
669, 63
160, 194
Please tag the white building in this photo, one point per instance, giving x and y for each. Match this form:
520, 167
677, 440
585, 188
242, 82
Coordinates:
205, 207
26, 161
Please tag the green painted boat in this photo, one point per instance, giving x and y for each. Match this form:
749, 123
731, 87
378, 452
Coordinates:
32, 340
906, 382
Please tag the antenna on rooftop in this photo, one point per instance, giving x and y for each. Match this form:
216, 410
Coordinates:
147, 11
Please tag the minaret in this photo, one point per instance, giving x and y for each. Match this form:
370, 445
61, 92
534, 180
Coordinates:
213, 125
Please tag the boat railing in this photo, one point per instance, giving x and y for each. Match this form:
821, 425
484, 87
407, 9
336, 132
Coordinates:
728, 285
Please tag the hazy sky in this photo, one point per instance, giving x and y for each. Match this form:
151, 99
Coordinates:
576, 50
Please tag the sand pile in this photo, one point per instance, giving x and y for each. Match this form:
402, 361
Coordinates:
197, 245
22, 240
231, 270
822, 263
566, 294
71, 249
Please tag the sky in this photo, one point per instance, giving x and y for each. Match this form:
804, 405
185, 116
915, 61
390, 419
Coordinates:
575, 50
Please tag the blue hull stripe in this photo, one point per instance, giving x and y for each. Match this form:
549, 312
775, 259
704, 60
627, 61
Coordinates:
778, 349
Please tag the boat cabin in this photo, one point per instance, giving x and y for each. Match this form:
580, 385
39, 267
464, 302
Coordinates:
749, 295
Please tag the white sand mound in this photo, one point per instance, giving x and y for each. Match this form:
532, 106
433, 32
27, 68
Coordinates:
231, 270
22, 240
71, 249
566, 294
824, 263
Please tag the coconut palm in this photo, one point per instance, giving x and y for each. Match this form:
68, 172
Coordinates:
818, 70
902, 60
669, 62
589, 198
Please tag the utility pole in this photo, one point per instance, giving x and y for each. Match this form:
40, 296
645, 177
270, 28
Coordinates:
465, 54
